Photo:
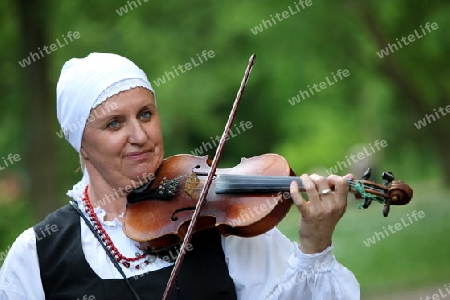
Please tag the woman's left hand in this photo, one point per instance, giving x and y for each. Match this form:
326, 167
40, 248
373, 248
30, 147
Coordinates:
322, 212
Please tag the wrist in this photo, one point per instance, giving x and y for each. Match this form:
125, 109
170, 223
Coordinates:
312, 250
314, 239
308, 246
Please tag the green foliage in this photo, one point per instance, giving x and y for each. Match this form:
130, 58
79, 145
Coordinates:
381, 99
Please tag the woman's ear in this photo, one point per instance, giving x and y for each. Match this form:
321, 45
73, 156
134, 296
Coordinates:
83, 154
82, 163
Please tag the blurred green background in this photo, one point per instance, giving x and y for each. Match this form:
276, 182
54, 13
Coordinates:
382, 99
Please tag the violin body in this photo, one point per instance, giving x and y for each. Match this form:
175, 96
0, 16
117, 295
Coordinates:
161, 212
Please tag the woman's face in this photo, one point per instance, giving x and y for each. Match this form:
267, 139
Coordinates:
122, 140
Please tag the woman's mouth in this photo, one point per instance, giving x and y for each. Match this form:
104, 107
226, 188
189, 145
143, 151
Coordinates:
137, 155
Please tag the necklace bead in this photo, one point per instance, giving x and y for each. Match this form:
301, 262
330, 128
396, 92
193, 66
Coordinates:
105, 237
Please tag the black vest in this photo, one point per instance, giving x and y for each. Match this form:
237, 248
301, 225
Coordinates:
66, 274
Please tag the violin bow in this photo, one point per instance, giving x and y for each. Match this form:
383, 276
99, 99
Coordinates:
209, 178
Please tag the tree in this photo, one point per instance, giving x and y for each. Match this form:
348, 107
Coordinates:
41, 165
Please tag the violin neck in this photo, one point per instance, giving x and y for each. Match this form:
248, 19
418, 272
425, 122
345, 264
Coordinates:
241, 184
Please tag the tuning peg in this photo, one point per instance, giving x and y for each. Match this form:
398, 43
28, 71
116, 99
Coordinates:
387, 177
367, 202
367, 174
387, 207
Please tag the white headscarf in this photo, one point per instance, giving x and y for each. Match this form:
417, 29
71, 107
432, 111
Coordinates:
85, 83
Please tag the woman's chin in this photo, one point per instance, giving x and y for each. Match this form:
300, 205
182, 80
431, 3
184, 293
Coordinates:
144, 175
143, 172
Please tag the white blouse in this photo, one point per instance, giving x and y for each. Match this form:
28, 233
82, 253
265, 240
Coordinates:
268, 266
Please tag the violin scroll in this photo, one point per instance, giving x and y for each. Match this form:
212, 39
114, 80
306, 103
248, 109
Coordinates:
390, 192
400, 193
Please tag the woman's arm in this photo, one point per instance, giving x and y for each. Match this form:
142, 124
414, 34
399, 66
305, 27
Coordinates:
270, 266
20, 277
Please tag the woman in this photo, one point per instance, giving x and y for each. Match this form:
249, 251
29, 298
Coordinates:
107, 110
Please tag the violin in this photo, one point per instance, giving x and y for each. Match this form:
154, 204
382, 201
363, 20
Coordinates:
246, 200
189, 193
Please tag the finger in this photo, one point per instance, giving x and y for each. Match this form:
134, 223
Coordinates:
331, 183
299, 201
297, 196
340, 185
321, 184
349, 176
311, 190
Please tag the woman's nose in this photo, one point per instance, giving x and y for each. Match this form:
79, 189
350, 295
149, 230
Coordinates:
137, 134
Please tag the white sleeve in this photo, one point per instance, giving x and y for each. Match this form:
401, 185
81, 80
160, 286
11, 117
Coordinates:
20, 277
270, 266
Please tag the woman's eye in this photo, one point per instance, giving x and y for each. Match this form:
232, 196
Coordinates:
113, 124
146, 115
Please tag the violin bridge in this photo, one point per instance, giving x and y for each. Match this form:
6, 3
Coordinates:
191, 185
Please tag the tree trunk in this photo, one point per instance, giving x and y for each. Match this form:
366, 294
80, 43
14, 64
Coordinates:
40, 113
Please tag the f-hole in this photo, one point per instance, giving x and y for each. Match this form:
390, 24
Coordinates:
175, 218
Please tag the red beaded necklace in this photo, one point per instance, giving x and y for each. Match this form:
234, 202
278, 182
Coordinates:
105, 237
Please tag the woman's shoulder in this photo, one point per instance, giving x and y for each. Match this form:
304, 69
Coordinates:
64, 212
24, 249
62, 218
25, 241
19, 275
20, 253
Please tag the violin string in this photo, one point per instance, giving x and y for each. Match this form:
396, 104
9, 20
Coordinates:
351, 183
357, 186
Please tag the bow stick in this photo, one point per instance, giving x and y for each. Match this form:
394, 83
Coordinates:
204, 192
